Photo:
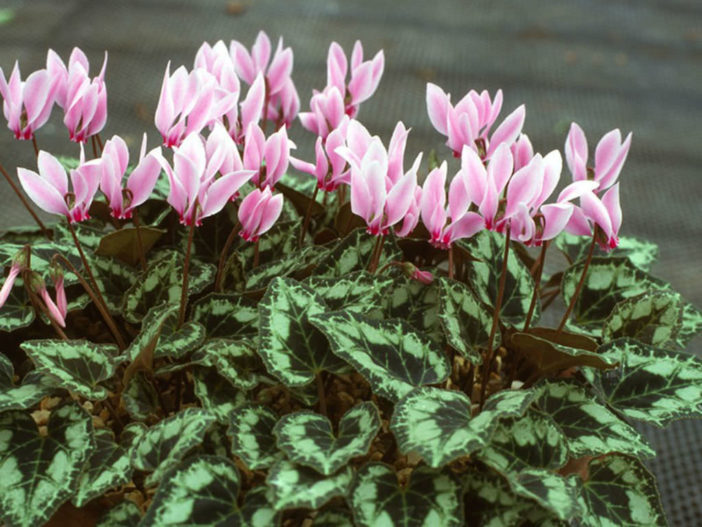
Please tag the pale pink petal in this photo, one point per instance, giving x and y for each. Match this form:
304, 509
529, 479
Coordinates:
466, 226
433, 202
53, 172
37, 91
595, 210
356, 55
42, 193
611, 202
578, 223
476, 176
53, 309
576, 152
280, 70
438, 106
252, 106
552, 166
271, 213
7, 285
222, 190
556, 217
249, 212
142, 180
607, 176
522, 151
261, 51
336, 67
459, 196
508, 131
361, 200
524, 185
577, 189
361, 83
500, 168
400, 198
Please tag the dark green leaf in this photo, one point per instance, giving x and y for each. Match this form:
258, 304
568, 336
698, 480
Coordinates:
17, 311
140, 398
124, 243
359, 292
354, 253
418, 304
236, 360
251, 432
33, 388
144, 344
641, 253
291, 264
125, 514
294, 487
175, 341
226, 315
216, 393
281, 239
333, 518
552, 491
113, 279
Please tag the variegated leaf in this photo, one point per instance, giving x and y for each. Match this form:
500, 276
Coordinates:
33, 388
174, 341
429, 498
216, 393
40, 471
416, 303
291, 347
140, 397
465, 320
333, 518
553, 492
251, 432
79, 365
113, 279
144, 344
292, 264
620, 491
354, 253
691, 325
591, 428
124, 514
484, 276
17, 311
203, 491
641, 253
282, 238
226, 315
292, 486
163, 445
307, 438
236, 360
650, 384
359, 292
390, 354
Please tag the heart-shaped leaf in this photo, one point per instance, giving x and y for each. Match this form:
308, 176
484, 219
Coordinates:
653, 318
79, 365
591, 428
251, 432
640, 253
108, 467
17, 311
437, 424
354, 253
552, 491
236, 360
124, 244
174, 341
216, 393
466, 321
429, 498
650, 384
33, 388
225, 315
293, 264
40, 471
391, 355
359, 292
307, 438
620, 491
484, 276
292, 486
140, 397
163, 445
144, 344
418, 304
124, 514
203, 490
291, 347
282, 238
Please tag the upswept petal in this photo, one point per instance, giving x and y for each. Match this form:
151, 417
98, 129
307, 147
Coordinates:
279, 71
142, 180
595, 210
53, 172
400, 198
337, 67
438, 106
576, 189
261, 51
361, 200
524, 185
508, 131
361, 83
608, 172
555, 217
522, 151
433, 202
552, 167
459, 196
611, 202
37, 94
476, 175
271, 213
466, 226
576, 152
252, 105
43, 194
500, 167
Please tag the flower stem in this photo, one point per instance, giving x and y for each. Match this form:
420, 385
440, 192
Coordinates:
88, 270
35, 145
320, 394
537, 283
223, 257
375, 256
579, 287
92, 142
99, 141
257, 253
308, 215
140, 243
450, 262
490, 357
24, 201
186, 270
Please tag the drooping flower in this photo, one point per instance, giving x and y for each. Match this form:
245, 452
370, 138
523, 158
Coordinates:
329, 168
19, 264
56, 273
363, 79
274, 151
258, 212
326, 112
38, 286
49, 189
27, 104
604, 212
139, 184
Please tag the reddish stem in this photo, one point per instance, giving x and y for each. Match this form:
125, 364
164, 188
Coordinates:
579, 287
24, 201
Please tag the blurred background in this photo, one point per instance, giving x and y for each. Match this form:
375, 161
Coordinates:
629, 64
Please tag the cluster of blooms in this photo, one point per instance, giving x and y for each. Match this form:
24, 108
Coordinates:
218, 141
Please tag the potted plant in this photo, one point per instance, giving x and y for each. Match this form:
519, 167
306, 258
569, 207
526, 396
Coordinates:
206, 337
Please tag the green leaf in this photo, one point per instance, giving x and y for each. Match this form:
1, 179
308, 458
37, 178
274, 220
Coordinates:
354, 253
307, 438
640, 253
236, 360
79, 365
390, 354
691, 325
203, 490
300, 200
608, 281
140, 398
124, 514
108, 468
33, 388
650, 384
17, 311
40, 471
114, 279
653, 318
175, 342
620, 491
216, 393
465, 320
291, 347
226, 315
359, 292
437, 423
282, 238
418, 304
163, 445
299, 261
333, 518
251, 432
124, 243
294, 487
552, 491
484, 276
162, 282
429, 498
591, 428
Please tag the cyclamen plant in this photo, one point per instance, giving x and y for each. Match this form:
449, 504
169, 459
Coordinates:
221, 345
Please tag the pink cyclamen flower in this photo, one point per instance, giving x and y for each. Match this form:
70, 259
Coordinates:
139, 184
196, 192
329, 168
435, 214
56, 274
258, 212
9, 282
49, 188
274, 150
326, 112
364, 75
605, 213
27, 104
468, 123
189, 102
38, 286
610, 155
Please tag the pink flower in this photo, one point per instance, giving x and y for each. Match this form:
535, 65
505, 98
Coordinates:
522, 151
462, 224
468, 123
196, 192
411, 219
50, 190
140, 183
364, 76
27, 105
604, 212
327, 112
275, 151
258, 212
422, 276
329, 168
56, 274
610, 155
9, 282
217, 61
188, 103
